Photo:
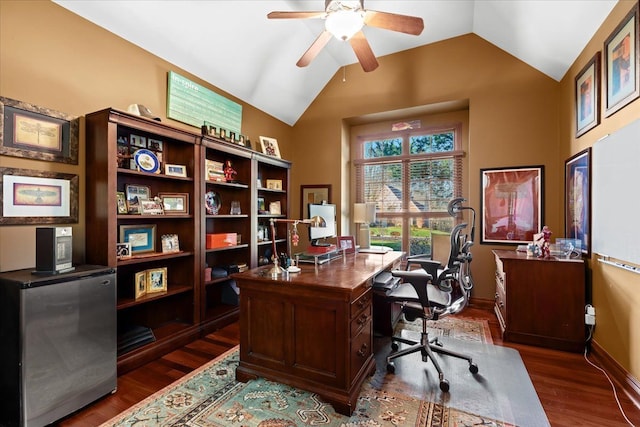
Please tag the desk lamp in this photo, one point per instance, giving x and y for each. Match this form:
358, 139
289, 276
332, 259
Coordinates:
316, 221
363, 215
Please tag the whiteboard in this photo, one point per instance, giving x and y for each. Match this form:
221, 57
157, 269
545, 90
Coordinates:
616, 195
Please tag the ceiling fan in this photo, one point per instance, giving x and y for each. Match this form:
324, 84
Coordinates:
344, 20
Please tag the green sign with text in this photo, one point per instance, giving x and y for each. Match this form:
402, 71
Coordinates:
191, 103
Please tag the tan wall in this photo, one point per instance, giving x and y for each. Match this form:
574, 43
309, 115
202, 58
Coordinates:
615, 291
513, 119
52, 58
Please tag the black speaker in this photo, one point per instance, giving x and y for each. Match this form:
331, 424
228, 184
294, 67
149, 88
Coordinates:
53, 249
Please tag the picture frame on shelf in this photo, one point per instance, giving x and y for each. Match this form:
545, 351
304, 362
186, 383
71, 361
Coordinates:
134, 194
175, 203
142, 238
156, 280
275, 208
34, 132
38, 197
622, 63
347, 244
151, 207
170, 243
209, 129
587, 96
175, 170
270, 146
123, 250
577, 204
222, 134
140, 284
154, 144
121, 203
316, 193
123, 156
138, 141
274, 184
511, 204
262, 207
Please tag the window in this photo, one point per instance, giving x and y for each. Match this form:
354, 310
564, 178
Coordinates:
410, 177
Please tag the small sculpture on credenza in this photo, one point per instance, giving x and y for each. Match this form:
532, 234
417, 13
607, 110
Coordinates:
545, 237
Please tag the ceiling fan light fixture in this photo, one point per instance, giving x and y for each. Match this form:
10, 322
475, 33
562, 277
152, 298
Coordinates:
343, 24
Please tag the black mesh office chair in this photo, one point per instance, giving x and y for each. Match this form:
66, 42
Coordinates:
434, 291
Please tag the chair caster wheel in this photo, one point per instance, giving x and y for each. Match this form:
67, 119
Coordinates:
391, 368
444, 385
394, 346
473, 368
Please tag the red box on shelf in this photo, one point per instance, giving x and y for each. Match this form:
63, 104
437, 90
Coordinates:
221, 240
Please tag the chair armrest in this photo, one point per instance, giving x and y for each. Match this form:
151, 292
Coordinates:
428, 265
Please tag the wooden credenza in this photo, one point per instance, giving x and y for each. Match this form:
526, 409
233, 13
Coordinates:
540, 302
312, 330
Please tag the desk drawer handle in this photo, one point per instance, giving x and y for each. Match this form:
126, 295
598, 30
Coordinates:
363, 350
363, 319
363, 302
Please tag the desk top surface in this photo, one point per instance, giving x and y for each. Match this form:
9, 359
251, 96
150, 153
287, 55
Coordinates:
346, 272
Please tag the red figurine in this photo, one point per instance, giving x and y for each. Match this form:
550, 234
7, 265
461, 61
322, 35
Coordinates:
546, 241
229, 172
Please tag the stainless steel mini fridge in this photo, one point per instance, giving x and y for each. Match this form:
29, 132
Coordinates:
57, 343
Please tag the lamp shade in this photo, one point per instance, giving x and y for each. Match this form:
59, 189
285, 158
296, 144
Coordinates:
364, 213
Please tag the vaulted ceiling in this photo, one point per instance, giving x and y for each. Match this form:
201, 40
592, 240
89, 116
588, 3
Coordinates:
233, 46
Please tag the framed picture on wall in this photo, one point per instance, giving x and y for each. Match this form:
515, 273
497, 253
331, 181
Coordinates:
313, 194
621, 63
577, 199
511, 204
587, 91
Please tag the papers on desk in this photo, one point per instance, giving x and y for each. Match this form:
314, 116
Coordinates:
376, 250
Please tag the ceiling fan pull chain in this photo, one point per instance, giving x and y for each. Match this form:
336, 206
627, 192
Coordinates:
344, 74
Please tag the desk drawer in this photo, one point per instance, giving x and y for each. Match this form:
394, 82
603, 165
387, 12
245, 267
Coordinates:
361, 303
360, 321
361, 349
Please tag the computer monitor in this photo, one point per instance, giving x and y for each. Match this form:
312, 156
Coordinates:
328, 213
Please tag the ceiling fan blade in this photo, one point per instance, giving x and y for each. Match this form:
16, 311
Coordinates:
394, 22
314, 49
363, 51
295, 15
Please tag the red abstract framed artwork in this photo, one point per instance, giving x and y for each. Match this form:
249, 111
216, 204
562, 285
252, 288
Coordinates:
511, 204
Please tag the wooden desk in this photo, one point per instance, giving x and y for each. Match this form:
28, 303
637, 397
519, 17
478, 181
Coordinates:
540, 301
312, 330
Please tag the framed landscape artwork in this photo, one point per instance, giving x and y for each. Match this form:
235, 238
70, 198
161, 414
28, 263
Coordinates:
577, 209
511, 204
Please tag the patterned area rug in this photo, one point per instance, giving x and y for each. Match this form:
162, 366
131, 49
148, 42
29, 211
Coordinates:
210, 397
475, 330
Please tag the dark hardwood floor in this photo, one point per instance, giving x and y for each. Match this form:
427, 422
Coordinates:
572, 392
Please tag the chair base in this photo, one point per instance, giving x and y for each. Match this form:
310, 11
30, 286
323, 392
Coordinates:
427, 347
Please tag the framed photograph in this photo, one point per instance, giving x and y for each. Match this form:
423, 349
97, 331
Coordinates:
222, 134
270, 146
170, 243
209, 129
275, 208
577, 203
175, 203
274, 184
122, 203
151, 207
511, 204
138, 141
38, 197
134, 194
123, 250
232, 137
142, 238
621, 63
313, 194
175, 170
347, 244
262, 207
39, 133
587, 91
157, 280
154, 144
140, 284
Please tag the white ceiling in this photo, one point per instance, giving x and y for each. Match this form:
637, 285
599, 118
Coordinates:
233, 46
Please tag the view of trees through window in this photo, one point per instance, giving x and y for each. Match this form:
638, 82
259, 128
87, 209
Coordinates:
411, 179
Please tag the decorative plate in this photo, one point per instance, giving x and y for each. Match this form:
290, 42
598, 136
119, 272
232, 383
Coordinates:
212, 202
147, 161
